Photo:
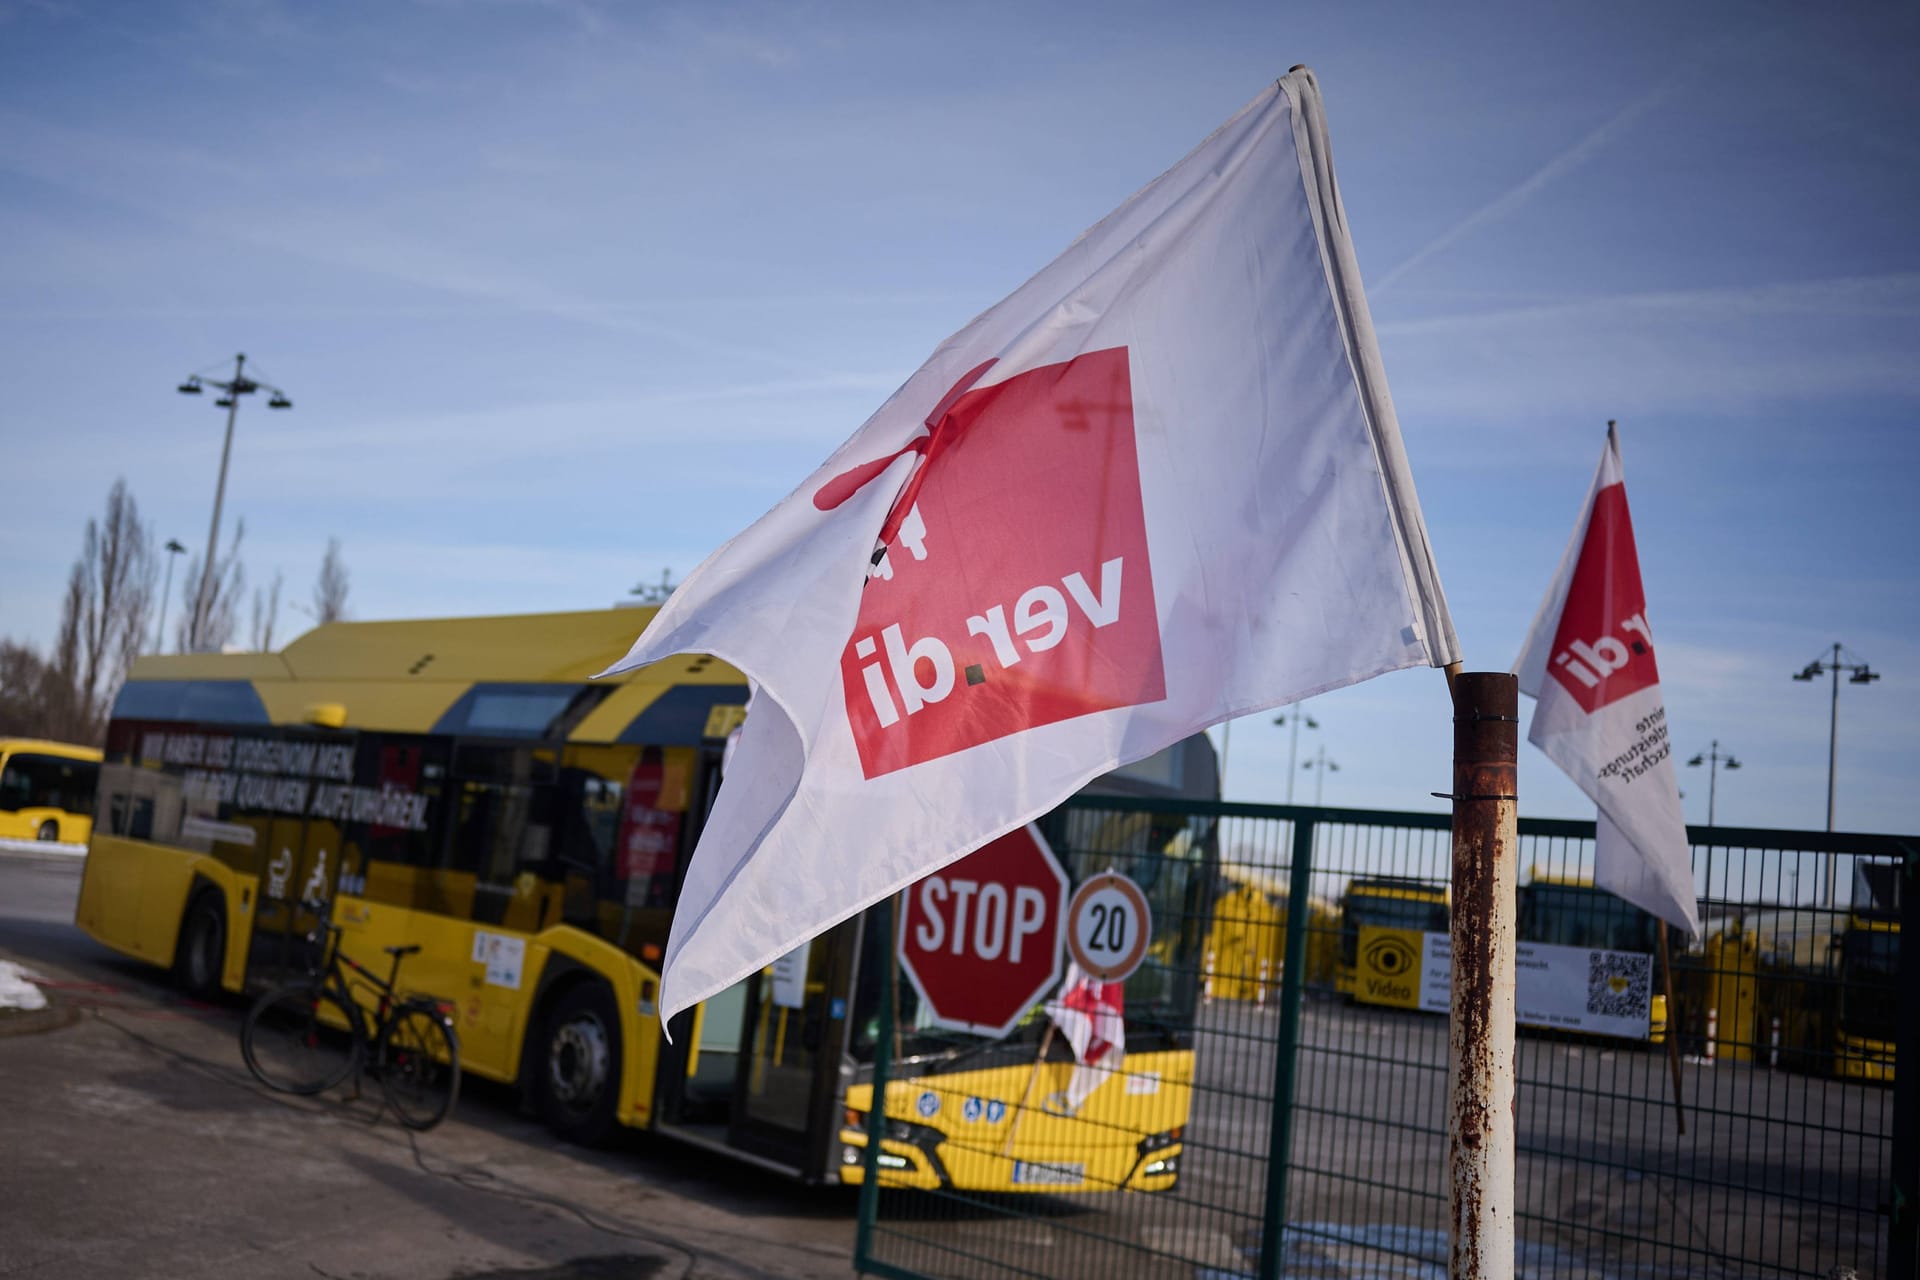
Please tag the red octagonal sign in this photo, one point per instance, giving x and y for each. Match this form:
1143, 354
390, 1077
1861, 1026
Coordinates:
980, 938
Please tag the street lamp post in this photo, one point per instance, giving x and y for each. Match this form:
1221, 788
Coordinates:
1321, 767
174, 548
1293, 747
1859, 673
1714, 762
241, 385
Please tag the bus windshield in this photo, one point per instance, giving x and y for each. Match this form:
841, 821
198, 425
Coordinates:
1869, 959
1568, 915
1170, 856
1397, 913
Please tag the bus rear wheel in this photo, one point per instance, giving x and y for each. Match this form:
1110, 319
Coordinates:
577, 1075
49, 831
202, 950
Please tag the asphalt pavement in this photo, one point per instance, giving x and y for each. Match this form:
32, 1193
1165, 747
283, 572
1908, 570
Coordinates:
137, 1145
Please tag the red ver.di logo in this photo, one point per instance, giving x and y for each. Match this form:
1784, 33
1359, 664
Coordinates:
1603, 650
1015, 590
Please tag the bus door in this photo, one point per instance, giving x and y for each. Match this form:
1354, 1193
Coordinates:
792, 1033
298, 862
756, 1067
695, 1086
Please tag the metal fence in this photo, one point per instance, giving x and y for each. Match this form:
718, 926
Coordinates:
1319, 1085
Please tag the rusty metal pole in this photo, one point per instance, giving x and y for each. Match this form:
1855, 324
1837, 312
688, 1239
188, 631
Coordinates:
1486, 742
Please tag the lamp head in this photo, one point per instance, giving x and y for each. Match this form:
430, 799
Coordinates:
1863, 676
174, 545
1697, 760
279, 401
1808, 672
224, 402
191, 387
1729, 763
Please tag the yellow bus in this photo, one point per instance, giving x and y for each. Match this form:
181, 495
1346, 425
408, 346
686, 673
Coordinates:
46, 790
1571, 911
1868, 950
1385, 902
463, 785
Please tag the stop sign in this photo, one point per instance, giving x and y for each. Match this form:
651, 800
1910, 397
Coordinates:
980, 938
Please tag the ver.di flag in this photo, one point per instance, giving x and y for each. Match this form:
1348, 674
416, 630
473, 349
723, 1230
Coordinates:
1589, 660
1158, 486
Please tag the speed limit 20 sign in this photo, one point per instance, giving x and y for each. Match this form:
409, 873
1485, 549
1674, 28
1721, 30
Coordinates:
1108, 925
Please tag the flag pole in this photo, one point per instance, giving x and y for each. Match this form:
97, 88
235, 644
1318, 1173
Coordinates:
893, 964
1020, 1108
1480, 1123
1673, 1032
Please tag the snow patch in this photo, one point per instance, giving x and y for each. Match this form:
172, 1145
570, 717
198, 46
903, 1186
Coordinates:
16, 990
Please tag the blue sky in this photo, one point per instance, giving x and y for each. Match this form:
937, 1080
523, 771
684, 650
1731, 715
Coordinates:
568, 293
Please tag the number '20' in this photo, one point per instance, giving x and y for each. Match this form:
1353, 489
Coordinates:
1109, 932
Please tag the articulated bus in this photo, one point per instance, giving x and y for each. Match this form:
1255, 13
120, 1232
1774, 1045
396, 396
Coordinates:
462, 784
46, 790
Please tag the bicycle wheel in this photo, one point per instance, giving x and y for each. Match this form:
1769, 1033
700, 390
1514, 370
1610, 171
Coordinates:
293, 1040
419, 1066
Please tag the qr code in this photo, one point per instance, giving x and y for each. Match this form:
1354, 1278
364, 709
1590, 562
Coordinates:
1619, 985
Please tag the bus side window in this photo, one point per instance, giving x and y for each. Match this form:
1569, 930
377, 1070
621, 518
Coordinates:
140, 824
386, 863
502, 840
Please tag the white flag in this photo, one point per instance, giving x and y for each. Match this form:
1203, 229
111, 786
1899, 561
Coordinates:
1159, 486
1589, 660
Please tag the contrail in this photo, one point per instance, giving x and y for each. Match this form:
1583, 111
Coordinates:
1572, 158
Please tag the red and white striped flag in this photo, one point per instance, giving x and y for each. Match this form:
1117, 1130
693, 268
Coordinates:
1092, 1017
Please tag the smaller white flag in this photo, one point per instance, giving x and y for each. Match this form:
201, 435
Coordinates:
1589, 661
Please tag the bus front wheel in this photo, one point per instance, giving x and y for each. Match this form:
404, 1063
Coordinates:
202, 950
577, 1076
49, 831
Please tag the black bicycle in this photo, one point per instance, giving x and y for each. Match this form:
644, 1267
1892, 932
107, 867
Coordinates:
309, 1036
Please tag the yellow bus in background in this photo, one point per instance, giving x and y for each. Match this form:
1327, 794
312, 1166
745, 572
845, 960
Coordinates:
1868, 951
1572, 911
464, 785
47, 790
1385, 902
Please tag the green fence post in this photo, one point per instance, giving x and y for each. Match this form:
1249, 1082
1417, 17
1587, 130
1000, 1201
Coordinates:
1292, 987
879, 929
1903, 1218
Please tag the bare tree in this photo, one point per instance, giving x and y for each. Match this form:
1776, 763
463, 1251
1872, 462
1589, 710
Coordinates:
107, 610
266, 613
36, 701
218, 627
330, 588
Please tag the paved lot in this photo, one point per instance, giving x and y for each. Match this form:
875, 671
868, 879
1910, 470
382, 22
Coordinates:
136, 1145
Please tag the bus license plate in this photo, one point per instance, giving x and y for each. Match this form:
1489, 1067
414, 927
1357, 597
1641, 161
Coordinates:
1035, 1174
